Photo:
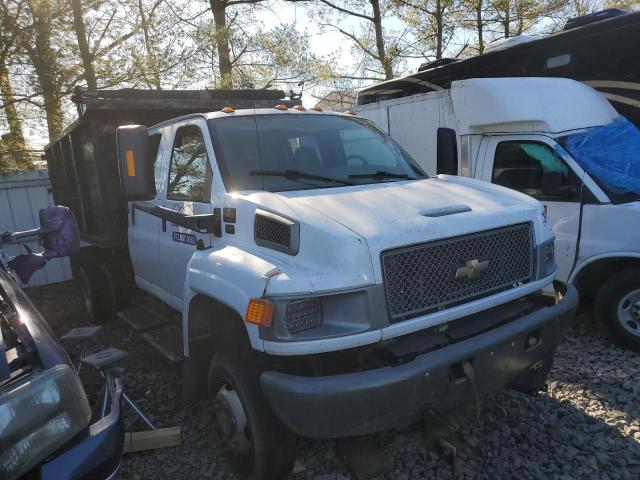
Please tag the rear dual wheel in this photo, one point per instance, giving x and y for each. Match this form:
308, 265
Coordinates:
104, 289
258, 446
96, 296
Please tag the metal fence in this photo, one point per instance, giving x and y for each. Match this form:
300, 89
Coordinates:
21, 198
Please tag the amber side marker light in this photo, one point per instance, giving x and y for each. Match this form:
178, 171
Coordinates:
227, 110
259, 312
131, 163
281, 107
299, 107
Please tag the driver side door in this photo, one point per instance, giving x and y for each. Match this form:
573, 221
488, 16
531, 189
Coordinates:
531, 165
186, 189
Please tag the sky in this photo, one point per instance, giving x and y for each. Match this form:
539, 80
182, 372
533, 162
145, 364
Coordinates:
321, 43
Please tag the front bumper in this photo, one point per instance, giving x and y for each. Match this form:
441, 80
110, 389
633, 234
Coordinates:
95, 454
373, 400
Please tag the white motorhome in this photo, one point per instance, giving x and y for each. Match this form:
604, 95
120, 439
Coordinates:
516, 132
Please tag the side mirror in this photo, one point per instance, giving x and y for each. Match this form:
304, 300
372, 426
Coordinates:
135, 163
447, 151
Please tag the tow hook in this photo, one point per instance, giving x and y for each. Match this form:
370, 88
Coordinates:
536, 365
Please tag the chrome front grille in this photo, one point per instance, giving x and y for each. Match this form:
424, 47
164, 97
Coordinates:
436, 275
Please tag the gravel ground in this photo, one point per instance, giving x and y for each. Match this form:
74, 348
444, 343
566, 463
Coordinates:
586, 426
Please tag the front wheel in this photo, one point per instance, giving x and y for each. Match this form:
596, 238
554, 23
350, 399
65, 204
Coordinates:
617, 306
258, 446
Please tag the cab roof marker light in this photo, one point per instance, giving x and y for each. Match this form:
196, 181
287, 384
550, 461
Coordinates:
281, 107
228, 109
299, 107
316, 109
350, 112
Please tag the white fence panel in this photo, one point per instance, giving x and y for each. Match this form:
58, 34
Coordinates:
21, 198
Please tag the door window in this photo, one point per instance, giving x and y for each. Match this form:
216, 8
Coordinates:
535, 169
190, 170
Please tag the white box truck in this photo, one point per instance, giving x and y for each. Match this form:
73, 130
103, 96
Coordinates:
322, 284
543, 137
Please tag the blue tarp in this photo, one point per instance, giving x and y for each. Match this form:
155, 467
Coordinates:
610, 153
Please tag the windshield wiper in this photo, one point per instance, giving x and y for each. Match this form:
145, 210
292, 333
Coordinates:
295, 174
381, 174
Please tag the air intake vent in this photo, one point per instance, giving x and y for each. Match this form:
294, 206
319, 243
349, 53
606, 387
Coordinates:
276, 232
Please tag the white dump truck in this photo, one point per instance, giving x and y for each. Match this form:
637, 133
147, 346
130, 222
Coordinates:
323, 285
556, 140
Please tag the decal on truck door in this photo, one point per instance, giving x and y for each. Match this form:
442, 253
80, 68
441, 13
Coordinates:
187, 238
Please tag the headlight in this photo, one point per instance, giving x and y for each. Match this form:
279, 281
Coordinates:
549, 252
303, 314
545, 254
39, 416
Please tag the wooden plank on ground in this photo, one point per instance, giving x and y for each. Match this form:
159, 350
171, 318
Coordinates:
151, 439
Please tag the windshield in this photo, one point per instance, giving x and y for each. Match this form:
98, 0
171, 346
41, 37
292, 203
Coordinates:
292, 152
610, 154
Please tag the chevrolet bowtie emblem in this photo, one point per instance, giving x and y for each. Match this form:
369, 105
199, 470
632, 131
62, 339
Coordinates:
471, 269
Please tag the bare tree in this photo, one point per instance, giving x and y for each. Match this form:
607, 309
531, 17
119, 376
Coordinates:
474, 17
12, 146
45, 62
85, 53
434, 21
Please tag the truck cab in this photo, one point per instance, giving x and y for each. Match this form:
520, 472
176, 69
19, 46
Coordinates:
328, 241
322, 284
540, 136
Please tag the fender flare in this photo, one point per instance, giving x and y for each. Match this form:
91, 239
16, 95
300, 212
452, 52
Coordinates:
220, 290
609, 255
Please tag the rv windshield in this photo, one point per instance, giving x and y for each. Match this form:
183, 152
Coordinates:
281, 152
611, 155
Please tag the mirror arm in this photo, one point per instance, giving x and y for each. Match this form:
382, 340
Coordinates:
207, 223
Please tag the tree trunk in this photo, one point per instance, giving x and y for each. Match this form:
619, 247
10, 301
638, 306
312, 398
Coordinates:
45, 64
218, 8
13, 142
480, 26
439, 27
150, 61
83, 45
382, 54
506, 22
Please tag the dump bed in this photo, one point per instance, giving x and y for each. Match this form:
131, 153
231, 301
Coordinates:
83, 161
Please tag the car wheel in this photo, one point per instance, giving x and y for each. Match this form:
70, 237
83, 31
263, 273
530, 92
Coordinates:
258, 446
617, 306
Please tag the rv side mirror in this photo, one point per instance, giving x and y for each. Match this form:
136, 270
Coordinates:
447, 151
135, 163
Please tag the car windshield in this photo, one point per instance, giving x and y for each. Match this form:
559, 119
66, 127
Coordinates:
281, 152
610, 155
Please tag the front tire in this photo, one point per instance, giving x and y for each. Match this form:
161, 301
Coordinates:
258, 446
617, 306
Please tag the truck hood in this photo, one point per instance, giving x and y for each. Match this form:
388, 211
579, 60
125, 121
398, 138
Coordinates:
393, 214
